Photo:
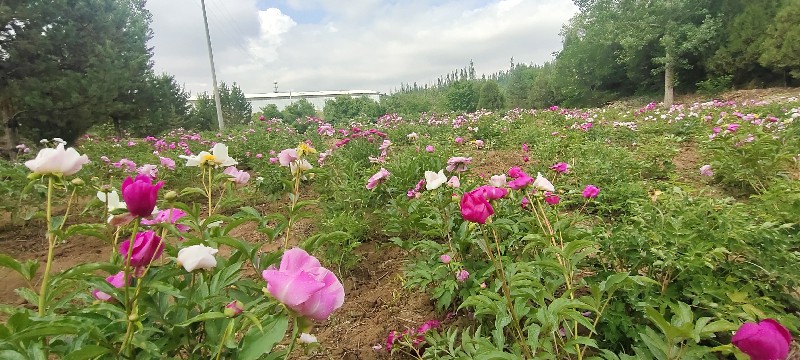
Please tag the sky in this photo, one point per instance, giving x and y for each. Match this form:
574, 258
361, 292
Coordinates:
314, 45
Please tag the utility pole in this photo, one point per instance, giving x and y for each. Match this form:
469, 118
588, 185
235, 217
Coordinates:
213, 69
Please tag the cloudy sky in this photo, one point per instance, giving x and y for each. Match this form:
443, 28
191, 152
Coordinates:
311, 45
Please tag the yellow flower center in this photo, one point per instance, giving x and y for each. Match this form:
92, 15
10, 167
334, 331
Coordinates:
303, 149
208, 159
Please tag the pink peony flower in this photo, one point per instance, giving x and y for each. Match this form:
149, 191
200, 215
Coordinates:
140, 195
445, 258
590, 192
560, 167
459, 140
462, 275
234, 308
521, 181
304, 286
167, 162
168, 216
378, 178
732, 127
498, 180
430, 148
116, 281
147, 246
149, 170
767, 340
454, 182
458, 163
524, 203
479, 144
475, 208
286, 156
706, 170
239, 177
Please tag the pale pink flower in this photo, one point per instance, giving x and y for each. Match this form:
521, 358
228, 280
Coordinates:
458, 163
378, 178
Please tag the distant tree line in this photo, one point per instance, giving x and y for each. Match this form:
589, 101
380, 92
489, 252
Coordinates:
620, 48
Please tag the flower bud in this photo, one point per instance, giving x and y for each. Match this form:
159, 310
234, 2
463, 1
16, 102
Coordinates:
170, 195
77, 182
234, 308
105, 188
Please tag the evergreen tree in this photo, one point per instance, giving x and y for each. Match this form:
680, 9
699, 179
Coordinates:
490, 97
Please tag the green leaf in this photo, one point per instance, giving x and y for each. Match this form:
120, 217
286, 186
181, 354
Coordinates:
257, 343
10, 263
87, 352
203, 317
11, 355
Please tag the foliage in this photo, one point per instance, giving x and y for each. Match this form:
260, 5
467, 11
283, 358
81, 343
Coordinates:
344, 108
235, 109
490, 96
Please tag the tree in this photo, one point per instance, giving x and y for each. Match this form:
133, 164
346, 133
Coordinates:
490, 97
678, 27
165, 107
782, 43
344, 108
270, 111
66, 65
236, 109
298, 110
462, 95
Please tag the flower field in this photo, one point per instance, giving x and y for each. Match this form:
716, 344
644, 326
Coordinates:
612, 233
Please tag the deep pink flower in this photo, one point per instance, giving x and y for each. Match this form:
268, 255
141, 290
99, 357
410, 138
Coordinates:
551, 198
590, 191
732, 127
560, 167
303, 285
524, 203
767, 340
515, 172
520, 182
147, 246
475, 208
491, 192
116, 281
525, 147
140, 194
168, 216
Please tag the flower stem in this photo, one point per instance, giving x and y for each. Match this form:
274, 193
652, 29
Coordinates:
295, 330
51, 244
129, 304
296, 192
208, 190
498, 266
227, 333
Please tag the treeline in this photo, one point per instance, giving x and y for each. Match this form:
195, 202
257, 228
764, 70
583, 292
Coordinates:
621, 48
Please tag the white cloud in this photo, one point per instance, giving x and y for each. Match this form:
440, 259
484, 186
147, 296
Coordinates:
273, 24
364, 44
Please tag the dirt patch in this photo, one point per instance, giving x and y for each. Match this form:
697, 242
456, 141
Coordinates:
495, 162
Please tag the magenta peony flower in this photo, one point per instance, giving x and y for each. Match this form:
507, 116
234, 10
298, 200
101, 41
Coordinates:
304, 286
524, 203
732, 127
378, 178
475, 208
147, 246
140, 195
560, 167
590, 192
520, 182
491, 192
116, 281
515, 172
767, 340
551, 198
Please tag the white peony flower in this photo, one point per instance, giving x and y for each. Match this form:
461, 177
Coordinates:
307, 338
217, 157
498, 180
434, 180
543, 184
57, 161
111, 199
301, 165
197, 257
